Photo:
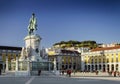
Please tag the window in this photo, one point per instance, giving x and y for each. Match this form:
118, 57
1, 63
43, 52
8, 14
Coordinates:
92, 61
95, 60
112, 55
116, 59
116, 54
85, 61
112, 60
99, 60
107, 60
103, 60
0, 54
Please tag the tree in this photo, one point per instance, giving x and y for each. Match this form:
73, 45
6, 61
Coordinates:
73, 43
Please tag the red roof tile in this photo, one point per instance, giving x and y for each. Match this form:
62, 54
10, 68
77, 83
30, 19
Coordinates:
105, 48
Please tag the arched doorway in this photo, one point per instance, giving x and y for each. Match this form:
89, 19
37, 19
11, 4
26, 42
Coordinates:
66, 66
108, 68
112, 67
85, 68
70, 66
104, 68
74, 67
96, 67
92, 67
89, 68
63, 67
117, 67
1, 66
100, 67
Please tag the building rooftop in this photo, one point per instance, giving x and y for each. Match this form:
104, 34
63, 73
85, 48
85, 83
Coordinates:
69, 52
10, 48
105, 48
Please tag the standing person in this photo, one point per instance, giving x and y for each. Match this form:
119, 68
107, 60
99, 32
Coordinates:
118, 73
96, 72
74, 72
69, 72
0, 71
115, 74
39, 72
62, 72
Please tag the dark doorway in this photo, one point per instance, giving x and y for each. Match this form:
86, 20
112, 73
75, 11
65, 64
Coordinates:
1, 66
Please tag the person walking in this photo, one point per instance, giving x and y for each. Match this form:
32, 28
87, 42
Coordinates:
69, 72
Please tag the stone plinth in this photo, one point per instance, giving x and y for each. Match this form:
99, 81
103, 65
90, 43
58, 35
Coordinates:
32, 44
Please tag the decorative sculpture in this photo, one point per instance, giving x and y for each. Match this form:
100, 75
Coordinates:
32, 24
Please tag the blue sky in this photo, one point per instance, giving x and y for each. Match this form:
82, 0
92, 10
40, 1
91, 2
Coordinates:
60, 20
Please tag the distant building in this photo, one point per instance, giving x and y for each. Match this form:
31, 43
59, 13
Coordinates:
11, 53
103, 59
65, 59
108, 45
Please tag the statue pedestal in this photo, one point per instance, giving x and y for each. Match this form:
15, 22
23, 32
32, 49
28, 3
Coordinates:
30, 53
32, 44
25, 68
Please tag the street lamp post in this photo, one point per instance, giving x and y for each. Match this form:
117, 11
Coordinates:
6, 63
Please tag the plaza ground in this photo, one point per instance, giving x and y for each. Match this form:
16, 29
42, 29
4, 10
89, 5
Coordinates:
51, 78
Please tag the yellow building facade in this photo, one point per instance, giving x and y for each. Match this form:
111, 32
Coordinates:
8, 53
103, 59
65, 59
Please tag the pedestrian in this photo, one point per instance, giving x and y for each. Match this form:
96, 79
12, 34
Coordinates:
69, 72
114, 73
0, 72
96, 72
62, 72
74, 72
118, 74
39, 72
